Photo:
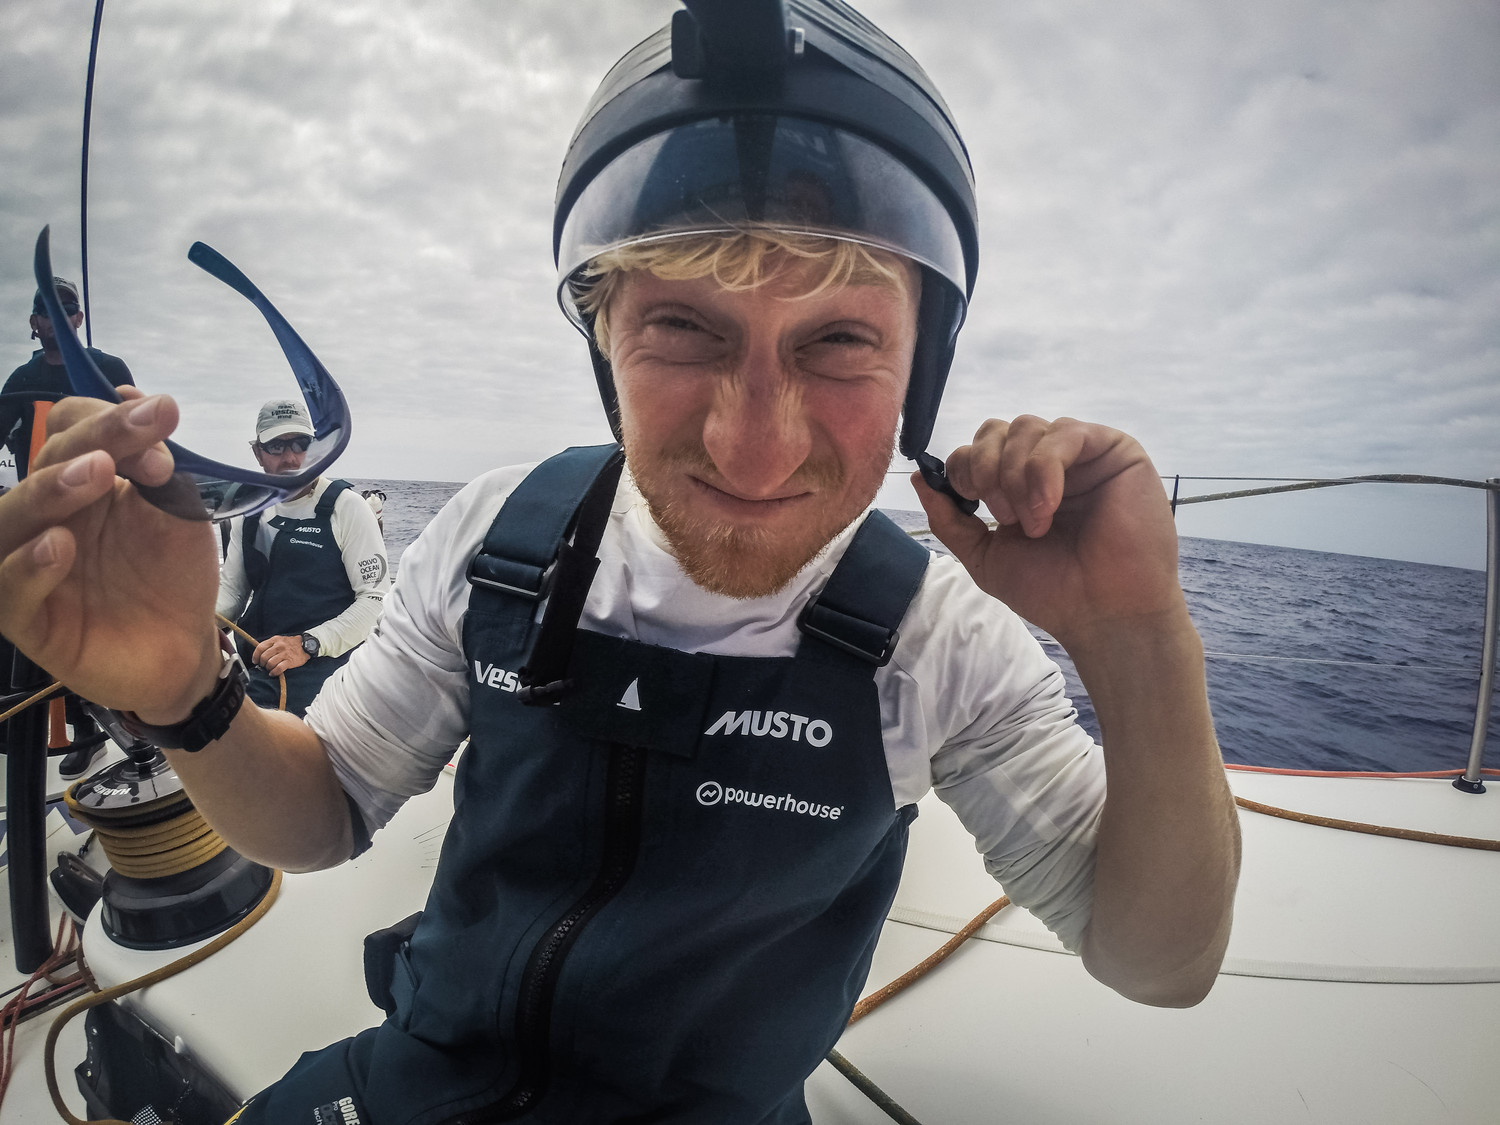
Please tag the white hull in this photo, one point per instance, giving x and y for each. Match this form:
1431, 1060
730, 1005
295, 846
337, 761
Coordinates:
1362, 983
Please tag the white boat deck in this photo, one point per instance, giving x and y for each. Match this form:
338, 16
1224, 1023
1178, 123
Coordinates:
1362, 983
1362, 986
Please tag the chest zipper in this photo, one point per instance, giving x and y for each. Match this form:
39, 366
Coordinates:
624, 788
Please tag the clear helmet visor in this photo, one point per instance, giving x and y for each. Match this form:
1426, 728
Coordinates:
750, 171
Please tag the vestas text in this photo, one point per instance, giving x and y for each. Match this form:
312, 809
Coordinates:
492, 675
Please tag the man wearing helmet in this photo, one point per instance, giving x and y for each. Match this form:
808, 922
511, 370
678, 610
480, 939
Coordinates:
703, 695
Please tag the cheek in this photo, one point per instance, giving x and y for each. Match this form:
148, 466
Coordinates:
860, 422
654, 406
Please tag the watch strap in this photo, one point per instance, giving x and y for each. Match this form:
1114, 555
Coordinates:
209, 719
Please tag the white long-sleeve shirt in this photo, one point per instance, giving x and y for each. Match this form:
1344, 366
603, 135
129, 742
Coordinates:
970, 705
356, 531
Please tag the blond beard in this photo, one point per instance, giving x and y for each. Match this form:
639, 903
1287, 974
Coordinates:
739, 562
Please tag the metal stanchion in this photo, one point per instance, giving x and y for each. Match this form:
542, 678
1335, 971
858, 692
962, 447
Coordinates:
1471, 781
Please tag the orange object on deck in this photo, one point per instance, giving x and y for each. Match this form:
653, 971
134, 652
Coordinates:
57, 725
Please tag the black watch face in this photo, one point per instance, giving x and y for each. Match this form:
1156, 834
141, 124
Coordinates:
310, 645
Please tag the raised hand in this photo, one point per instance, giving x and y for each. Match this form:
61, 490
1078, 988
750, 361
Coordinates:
102, 590
1085, 538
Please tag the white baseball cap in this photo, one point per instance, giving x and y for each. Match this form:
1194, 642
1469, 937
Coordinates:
280, 417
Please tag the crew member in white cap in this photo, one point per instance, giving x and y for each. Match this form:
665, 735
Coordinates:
305, 578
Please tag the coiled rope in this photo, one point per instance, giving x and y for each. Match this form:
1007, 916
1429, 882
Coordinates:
168, 845
49, 1054
173, 838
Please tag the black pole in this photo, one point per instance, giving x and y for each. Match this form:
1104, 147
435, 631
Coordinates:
83, 186
26, 815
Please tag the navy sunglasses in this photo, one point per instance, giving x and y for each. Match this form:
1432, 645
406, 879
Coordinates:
201, 488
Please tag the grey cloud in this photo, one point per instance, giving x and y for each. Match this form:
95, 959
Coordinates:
1262, 237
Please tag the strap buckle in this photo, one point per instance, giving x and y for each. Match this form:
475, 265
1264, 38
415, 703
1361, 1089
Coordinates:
845, 632
521, 580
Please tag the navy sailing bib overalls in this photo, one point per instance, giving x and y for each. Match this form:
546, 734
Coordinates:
301, 585
658, 898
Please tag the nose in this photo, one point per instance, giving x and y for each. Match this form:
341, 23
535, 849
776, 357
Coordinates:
757, 431
289, 461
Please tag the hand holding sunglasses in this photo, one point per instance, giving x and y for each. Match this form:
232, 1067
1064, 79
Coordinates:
202, 488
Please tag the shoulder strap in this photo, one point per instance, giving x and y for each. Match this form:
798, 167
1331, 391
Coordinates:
543, 544
856, 617
257, 566
329, 499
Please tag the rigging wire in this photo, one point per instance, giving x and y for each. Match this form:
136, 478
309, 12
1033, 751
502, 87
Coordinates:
83, 186
1302, 484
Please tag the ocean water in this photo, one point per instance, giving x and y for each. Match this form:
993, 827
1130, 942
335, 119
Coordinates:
1315, 660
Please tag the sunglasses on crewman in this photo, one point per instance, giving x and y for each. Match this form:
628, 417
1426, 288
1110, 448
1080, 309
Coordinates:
202, 488
278, 446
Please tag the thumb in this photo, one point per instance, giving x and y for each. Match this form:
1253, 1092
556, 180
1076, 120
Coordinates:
961, 533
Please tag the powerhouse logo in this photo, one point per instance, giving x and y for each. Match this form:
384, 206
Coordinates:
712, 793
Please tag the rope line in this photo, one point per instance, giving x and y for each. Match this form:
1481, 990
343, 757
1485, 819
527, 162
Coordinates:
57, 684
912, 975
882, 1100
1320, 660
280, 676
1370, 829
869, 1003
25, 703
23, 1005
49, 1054
1240, 767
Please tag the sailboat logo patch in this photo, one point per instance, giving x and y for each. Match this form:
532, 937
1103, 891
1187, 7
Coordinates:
631, 700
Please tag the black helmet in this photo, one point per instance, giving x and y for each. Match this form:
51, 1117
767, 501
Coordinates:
795, 114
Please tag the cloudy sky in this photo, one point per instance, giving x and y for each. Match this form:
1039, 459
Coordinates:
1262, 237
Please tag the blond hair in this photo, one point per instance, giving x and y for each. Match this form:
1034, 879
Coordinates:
737, 260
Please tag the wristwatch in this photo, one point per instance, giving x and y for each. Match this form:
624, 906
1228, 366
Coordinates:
206, 722
310, 644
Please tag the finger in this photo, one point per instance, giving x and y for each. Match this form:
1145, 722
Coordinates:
970, 471
28, 576
262, 652
1054, 454
960, 532
51, 496
994, 469
126, 432
1008, 457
